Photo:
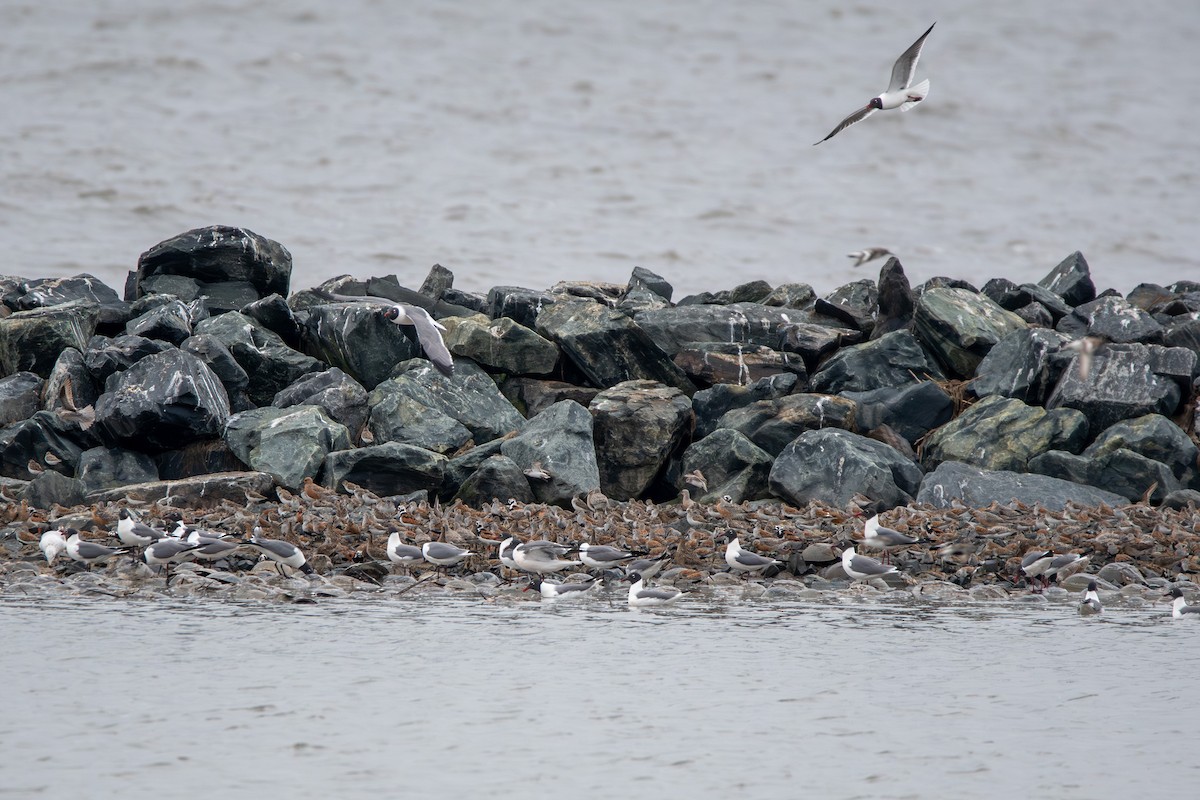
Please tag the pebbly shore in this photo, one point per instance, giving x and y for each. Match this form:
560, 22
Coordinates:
986, 422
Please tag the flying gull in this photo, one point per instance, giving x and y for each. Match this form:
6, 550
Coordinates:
428, 329
900, 93
870, 254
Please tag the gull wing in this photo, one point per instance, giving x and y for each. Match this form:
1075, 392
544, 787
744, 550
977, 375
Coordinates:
906, 65
430, 338
856, 117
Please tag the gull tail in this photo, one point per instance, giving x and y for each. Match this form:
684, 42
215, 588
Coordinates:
920, 92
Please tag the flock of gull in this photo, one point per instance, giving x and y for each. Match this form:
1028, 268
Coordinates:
564, 553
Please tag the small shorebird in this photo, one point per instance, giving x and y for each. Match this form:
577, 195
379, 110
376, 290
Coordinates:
740, 560
642, 597
900, 93
870, 254
1090, 604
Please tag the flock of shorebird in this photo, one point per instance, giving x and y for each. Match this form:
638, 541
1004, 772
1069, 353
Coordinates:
539, 559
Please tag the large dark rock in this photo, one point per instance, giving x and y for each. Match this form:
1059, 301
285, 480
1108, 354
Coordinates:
269, 363
1001, 433
1122, 471
161, 402
896, 359
732, 466
643, 278
1012, 297
461, 467
424, 407
674, 328
20, 397
198, 458
105, 356
70, 384
896, 301
709, 363
498, 478
1183, 333
52, 488
559, 440
520, 305
791, 295
853, 304
774, 424
274, 314
436, 282
46, 432
30, 341
709, 405
87, 289
978, 488
959, 327
170, 322
1071, 280
216, 356
813, 342
387, 469
1153, 436
288, 444
108, 467
911, 411
340, 396
607, 346
532, 396
836, 466
501, 344
201, 491
1125, 381
358, 339
471, 301
1025, 365
221, 260
638, 426
1114, 319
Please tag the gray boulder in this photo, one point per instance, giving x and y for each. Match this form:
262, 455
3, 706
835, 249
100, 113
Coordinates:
161, 402
709, 363
731, 464
287, 444
638, 426
52, 488
45, 433
201, 491
523, 306
1122, 471
532, 396
643, 278
461, 467
1114, 319
791, 295
896, 301
959, 327
436, 282
1125, 381
978, 488
20, 397
836, 466
501, 344
105, 356
709, 405
269, 363
336, 393
202, 457
218, 258
108, 467
895, 359
748, 323
1001, 433
216, 356
1071, 280
498, 478
774, 424
1153, 436
70, 384
911, 411
274, 314
356, 338
853, 304
86, 289
607, 346
388, 469
170, 322
1025, 365
30, 341
559, 440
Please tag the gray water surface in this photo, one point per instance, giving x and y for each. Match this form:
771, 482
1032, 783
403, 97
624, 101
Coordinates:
453, 697
540, 141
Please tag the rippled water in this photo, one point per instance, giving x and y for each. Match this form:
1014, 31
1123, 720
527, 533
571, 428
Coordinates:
538, 141
453, 697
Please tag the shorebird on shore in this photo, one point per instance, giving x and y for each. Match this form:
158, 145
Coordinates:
401, 554
555, 590
52, 544
284, 554
861, 568
1090, 605
1180, 607
543, 557
870, 254
641, 596
603, 556
133, 533
744, 561
900, 93
877, 537
90, 552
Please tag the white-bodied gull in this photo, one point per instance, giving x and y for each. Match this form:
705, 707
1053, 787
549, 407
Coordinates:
401, 554
740, 560
602, 556
900, 93
443, 555
211, 546
1036, 562
52, 544
1180, 607
284, 554
134, 533
1090, 605
89, 552
428, 329
554, 590
877, 537
641, 596
651, 566
543, 557
870, 254
168, 551
863, 567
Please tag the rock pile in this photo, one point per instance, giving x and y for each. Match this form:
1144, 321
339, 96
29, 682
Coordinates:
208, 373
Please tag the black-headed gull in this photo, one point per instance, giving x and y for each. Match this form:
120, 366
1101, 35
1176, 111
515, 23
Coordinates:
134, 533
877, 537
168, 551
1179, 606
641, 596
1090, 604
740, 560
870, 254
283, 553
603, 556
900, 93
553, 590
89, 552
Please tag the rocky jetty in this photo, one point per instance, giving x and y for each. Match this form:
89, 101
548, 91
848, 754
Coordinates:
211, 382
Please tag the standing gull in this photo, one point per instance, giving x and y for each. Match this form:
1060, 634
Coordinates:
52, 544
543, 557
878, 537
862, 567
441, 554
404, 555
282, 553
649, 567
900, 93
89, 552
134, 533
603, 556
740, 560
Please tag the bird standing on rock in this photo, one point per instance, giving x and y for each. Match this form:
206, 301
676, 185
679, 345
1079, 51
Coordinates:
284, 554
443, 555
